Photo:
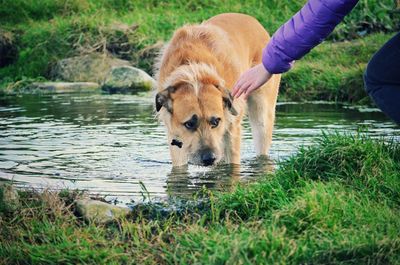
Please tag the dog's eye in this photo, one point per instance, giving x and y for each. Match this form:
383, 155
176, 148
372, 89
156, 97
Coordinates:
192, 123
214, 122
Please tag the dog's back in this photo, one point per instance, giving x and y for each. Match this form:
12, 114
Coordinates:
230, 42
247, 36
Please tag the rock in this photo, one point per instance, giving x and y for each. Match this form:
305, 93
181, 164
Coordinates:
99, 212
8, 48
65, 87
125, 79
87, 68
9, 198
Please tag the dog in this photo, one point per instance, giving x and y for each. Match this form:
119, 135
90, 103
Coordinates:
195, 72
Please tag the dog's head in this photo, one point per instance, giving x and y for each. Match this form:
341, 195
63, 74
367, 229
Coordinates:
198, 113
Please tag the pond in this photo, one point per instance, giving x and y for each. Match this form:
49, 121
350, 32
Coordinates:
112, 145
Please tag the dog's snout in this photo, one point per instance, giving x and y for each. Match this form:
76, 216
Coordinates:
208, 157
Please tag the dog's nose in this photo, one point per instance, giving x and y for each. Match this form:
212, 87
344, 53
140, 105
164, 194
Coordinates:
207, 158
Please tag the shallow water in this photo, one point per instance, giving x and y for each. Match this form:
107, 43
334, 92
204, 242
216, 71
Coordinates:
112, 145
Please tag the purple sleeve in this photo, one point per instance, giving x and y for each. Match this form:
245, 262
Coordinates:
306, 29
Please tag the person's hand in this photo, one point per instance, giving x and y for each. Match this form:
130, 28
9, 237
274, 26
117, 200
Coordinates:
251, 80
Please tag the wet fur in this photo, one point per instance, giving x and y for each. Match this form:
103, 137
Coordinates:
195, 72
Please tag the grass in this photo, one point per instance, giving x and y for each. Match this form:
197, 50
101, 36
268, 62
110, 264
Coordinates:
333, 71
48, 30
334, 202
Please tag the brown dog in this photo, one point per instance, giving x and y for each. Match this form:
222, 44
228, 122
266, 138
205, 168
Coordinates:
195, 71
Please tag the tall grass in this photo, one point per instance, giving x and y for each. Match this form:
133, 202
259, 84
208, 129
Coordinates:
336, 202
333, 203
46, 31
368, 16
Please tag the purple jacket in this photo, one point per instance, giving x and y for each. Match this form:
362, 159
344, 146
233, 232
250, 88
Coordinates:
306, 29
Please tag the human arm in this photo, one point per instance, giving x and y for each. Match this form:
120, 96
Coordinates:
306, 29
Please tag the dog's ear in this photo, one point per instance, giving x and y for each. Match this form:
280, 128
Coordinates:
228, 99
163, 99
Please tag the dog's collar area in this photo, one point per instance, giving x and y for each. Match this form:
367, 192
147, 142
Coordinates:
177, 143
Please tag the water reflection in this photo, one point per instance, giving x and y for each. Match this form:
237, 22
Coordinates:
108, 144
182, 182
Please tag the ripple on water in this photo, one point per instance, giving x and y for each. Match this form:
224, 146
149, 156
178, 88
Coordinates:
110, 144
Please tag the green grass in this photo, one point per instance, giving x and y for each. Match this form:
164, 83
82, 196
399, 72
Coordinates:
334, 202
48, 30
333, 71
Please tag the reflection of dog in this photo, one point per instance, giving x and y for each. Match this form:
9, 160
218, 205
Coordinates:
223, 177
185, 184
196, 68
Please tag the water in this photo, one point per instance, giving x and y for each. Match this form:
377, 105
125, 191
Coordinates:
111, 144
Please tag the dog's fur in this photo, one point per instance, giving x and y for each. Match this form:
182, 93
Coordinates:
195, 72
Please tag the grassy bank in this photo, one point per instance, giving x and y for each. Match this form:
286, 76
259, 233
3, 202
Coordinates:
46, 31
334, 202
333, 71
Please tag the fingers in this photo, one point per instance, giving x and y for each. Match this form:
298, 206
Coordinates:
249, 90
242, 89
250, 81
236, 88
238, 85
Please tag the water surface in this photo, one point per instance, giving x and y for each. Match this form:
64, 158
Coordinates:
110, 144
